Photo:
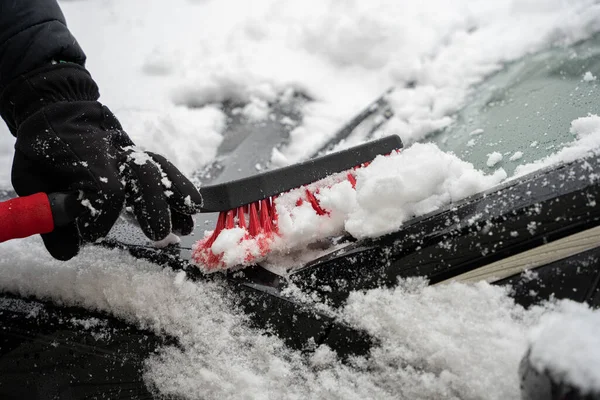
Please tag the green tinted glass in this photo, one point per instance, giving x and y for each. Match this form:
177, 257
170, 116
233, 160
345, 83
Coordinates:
527, 107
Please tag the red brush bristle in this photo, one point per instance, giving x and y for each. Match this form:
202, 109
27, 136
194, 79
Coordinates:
218, 229
229, 223
265, 216
241, 217
352, 180
254, 227
270, 206
274, 215
315, 203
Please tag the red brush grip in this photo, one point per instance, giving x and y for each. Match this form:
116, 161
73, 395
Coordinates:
25, 216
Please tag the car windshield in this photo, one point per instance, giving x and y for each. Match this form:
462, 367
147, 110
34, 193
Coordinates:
527, 108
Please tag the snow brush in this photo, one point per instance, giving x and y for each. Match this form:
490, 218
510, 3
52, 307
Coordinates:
249, 203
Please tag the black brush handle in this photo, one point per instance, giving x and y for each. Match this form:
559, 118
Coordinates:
233, 194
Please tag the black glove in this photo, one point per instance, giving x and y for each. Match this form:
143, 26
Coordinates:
68, 141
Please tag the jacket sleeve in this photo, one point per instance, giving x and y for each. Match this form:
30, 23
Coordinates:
32, 34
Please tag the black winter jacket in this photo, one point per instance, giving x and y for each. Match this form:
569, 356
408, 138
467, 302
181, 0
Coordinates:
32, 34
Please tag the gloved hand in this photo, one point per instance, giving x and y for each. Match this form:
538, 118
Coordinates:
68, 141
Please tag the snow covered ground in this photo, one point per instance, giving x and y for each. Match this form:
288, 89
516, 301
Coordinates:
161, 66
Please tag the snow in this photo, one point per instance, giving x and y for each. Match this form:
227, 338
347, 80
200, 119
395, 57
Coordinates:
171, 238
87, 204
138, 157
493, 159
586, 132
566, 344
517, 155
589, 77
448, 341
189, 138
422, 356
418, 180
175, 60
256, 110
163, 66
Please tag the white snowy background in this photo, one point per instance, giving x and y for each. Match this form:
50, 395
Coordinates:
153, 59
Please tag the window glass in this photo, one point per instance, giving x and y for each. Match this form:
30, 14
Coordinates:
527, 107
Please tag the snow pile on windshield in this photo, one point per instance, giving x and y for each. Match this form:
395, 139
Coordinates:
587, 142
567, 346
389, 191
432, 59
419, 180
